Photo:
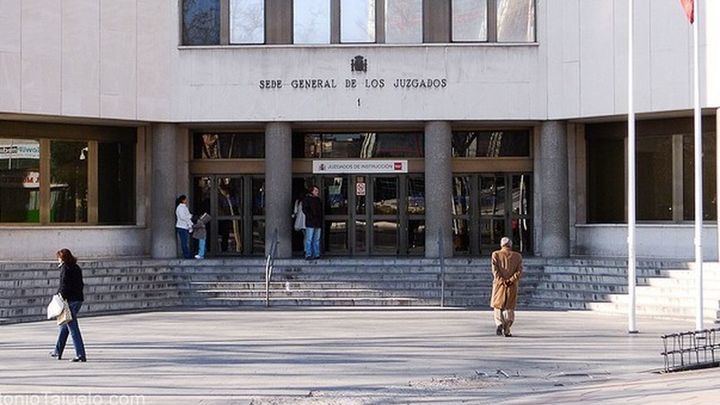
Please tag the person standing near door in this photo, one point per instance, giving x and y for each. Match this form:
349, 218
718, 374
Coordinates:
507, 269
312, 208
183, 225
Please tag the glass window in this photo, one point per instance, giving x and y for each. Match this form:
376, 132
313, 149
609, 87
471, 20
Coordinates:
201, 22
515, 20
19, 180
69, 181
247, 21
654, 178
605, 179
403, 22
469, 20
491, 144
357, 20
116, 183
228, 145
708, 174
363, 145
311, 21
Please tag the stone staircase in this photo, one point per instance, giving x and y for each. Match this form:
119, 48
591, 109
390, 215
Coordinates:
343, 282
665, 288
110, 286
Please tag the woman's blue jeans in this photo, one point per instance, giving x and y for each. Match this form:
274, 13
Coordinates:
184, 242
73, 329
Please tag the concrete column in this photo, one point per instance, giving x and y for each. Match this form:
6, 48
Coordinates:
278, 186
438, 187
162, 191
554, 189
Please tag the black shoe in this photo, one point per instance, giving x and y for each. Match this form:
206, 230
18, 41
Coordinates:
308, 258
499, 330
508, 334
316, 257
77, 359
56, 356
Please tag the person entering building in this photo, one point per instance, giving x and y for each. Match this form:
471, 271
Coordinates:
507, 269
312, 208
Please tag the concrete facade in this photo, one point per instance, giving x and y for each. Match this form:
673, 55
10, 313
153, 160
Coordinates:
120, 62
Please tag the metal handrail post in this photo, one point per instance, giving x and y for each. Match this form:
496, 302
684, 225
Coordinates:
269, 263
441, 254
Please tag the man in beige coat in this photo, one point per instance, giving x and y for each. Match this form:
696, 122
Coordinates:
507, 270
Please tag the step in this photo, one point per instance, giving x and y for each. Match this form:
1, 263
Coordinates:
354, 293
364, 302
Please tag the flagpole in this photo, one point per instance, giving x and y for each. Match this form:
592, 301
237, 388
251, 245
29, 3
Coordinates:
632, 328
698, 170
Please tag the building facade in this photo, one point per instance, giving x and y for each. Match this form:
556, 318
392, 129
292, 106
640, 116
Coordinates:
427, 124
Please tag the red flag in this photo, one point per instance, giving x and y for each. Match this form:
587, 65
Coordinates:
689, 7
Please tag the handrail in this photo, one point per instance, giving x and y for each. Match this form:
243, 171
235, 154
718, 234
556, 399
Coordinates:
269, 264
441, 256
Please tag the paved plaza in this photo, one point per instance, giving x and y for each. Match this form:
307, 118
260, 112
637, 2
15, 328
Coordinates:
348, 356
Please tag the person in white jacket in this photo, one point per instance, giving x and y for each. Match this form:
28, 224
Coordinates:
183, 225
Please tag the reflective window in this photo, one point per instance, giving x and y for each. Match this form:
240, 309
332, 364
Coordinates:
416, 196
247, 21
708, 175
19, 180
229, 196
116, 183
491, 144
201, 22
515, 20
336, 195
228, 145
469, 20
357, 20
359, 145
654, 178
605, 179
311, 21
69, 181
403, 22
385, 194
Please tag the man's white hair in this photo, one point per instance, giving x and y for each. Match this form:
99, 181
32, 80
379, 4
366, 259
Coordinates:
505, 241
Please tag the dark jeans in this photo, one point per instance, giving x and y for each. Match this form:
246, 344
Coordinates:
73, 329
184, 242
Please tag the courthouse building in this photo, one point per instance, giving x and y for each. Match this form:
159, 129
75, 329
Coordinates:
421, 121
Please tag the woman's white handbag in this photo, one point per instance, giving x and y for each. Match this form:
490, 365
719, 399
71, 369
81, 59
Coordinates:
56, 306
299, 216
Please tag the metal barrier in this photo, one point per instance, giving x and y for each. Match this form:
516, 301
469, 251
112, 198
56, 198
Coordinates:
441, 255
691, 350
269, 264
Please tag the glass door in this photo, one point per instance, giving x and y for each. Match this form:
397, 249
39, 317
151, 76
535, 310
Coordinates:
237, 207
488, 206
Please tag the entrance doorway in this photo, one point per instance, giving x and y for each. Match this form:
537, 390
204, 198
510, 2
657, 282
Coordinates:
237, 206
488, 206
369, 214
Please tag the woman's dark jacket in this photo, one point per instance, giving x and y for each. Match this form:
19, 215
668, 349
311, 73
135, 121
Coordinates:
312, 208
71, 283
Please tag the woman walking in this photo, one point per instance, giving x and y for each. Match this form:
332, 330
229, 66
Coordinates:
183, 225
71, 289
